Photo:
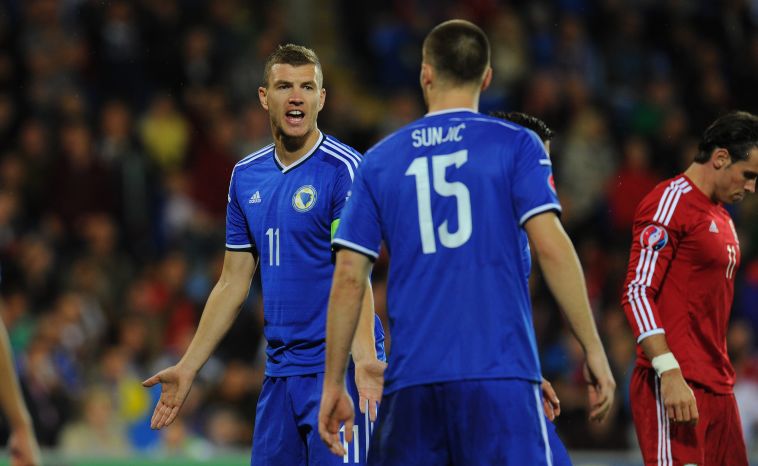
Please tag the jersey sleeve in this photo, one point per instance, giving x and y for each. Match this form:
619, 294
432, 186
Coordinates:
533, 185
237, 234
655, 238
359, 225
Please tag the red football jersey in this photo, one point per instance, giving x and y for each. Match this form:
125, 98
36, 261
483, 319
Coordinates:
680, 279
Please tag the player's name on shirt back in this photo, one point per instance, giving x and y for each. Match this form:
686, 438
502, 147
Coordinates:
433, 135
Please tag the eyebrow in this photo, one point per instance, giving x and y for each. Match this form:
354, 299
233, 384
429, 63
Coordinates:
284, 81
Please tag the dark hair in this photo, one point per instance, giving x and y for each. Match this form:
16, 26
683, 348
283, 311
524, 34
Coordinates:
458, 50
528, 122
291, 54
737, 132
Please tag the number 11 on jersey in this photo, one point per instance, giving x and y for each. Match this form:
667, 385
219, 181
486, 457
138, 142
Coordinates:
273, 249
419, 169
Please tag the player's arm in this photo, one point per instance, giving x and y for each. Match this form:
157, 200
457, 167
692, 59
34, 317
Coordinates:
364, 342
678, 397
646, 271
563, 273
345, 301
22, 443
219, 313
369, 371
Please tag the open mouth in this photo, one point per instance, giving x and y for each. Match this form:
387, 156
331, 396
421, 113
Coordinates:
294, 116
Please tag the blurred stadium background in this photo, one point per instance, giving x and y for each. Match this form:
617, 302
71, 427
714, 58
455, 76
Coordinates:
120, 122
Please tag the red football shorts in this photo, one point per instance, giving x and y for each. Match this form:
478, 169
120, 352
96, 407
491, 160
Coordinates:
716, 440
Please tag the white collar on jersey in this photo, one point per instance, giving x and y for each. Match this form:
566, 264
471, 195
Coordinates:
302, 159
451, 110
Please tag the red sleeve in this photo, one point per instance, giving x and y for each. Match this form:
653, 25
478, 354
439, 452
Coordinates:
655, 237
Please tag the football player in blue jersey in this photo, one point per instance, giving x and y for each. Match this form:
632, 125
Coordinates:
284, 204
449, 195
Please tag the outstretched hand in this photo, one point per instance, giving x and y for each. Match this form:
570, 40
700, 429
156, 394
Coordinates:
336, 409
601, 385
369, 379
175, 385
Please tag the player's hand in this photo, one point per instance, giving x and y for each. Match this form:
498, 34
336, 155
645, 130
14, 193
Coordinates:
175, 385
336, 409
369, 378
23, 447
678, 398
550, 401
601, 385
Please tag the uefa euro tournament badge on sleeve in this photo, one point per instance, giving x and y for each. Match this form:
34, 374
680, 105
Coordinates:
654, 237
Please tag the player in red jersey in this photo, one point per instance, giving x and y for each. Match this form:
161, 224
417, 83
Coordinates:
678, 297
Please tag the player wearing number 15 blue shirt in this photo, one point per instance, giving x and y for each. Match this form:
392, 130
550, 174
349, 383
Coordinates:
284, 203
448, 195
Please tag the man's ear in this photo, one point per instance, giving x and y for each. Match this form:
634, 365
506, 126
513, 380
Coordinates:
322, 99
487, 78
427, 75
720, 158
263, 98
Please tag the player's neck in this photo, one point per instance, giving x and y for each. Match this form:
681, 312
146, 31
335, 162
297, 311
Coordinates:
289, 150
702, 178
446, 99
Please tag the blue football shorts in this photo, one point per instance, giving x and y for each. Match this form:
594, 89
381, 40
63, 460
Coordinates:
286, 424
557, 448
493, 421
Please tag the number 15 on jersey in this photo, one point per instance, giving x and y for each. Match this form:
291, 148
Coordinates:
419, 169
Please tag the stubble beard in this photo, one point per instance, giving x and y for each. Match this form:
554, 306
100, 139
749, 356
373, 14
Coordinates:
290, 143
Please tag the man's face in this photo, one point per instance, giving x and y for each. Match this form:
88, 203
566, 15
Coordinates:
737, 179
293, 96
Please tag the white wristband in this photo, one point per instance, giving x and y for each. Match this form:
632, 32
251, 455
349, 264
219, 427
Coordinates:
664, 362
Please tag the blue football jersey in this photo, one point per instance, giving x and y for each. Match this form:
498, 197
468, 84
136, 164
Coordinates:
285, 216
449, 195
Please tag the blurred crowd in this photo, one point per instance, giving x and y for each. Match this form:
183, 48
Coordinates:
120, 122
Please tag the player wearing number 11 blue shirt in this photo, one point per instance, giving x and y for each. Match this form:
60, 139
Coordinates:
284, 203
448, 195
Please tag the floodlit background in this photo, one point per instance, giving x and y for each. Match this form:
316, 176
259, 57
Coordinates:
120, 122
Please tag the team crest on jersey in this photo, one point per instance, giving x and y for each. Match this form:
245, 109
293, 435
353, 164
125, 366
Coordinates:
654, 237
304, 198
551, 183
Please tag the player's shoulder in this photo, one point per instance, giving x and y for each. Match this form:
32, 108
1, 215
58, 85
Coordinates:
677, 186
669, 198
254, 159
492, 123
342, 157
488, 127
332, 143
497, 136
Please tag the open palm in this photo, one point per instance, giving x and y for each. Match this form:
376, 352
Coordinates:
369, 379
175, 385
